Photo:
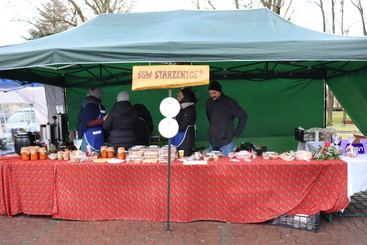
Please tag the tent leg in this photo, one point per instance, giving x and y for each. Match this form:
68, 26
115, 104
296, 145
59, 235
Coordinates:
325, 102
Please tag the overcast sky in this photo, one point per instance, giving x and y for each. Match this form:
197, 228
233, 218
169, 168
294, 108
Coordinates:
305, 14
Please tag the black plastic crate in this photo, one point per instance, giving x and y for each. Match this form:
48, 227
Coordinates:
303, 135
298, 221
357, 205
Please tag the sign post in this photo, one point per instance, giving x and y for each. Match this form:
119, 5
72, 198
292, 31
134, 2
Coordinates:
169, 178
169, 76
168, 128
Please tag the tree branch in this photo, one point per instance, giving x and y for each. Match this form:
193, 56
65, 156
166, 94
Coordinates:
210, 3
78, 10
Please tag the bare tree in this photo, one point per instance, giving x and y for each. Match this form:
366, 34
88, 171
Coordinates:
77, 10
240, 4
59, 15
210, 4
273, 5
358, 5
54, 17
330, 96
343, 31
196, 3
237, 4
333, 15
342, 17
277, 5
203, 4
320, 4
108, 6
287, 11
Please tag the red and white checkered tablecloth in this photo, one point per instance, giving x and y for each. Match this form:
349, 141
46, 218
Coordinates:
243, 192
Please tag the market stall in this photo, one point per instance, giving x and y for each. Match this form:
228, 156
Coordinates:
274, 69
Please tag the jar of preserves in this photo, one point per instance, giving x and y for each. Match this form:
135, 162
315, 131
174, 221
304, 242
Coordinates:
34, 154
60, 155
66, 155
104, 151
121, 153
110, 152
24, 152
42, 153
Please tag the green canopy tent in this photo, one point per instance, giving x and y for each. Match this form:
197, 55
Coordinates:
273, 68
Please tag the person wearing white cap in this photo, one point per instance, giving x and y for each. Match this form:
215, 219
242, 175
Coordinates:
90, 120
120, 122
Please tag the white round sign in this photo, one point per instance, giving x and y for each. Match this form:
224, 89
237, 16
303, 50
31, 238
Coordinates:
168, 127
169, 107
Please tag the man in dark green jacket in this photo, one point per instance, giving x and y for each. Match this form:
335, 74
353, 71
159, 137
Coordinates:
221, 111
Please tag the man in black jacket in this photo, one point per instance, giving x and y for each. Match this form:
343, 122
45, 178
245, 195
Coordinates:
221, 111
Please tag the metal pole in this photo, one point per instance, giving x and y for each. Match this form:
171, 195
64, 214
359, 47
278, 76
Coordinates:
325, 102
169, 179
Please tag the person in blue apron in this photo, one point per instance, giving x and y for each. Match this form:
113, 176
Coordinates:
90, 121
120, 123
186, 118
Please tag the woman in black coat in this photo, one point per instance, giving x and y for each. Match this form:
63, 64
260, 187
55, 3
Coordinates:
120, 123
186, 118
144, 125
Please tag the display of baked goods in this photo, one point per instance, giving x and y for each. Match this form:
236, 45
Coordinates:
52, 156
163, 153
303, 155
77, 156
270, 155
60, 155
101, 160
151, 155
115, 161
135, 154
243, 154
150, 160
287, 156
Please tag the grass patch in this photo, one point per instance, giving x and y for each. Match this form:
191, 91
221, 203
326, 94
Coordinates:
343, 130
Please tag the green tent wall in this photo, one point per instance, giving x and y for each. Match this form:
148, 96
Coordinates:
274, 108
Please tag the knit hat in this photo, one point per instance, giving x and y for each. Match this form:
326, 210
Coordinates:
215, 86
123, 96
95, 92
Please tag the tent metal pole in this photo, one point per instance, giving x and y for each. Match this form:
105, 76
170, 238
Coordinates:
325, 102
66, 106
169, 178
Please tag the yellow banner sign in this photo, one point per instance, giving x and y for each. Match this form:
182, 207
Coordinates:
169, 76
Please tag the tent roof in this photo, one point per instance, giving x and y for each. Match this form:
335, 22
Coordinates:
103, 49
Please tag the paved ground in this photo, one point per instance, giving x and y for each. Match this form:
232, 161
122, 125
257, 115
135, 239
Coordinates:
43, 230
